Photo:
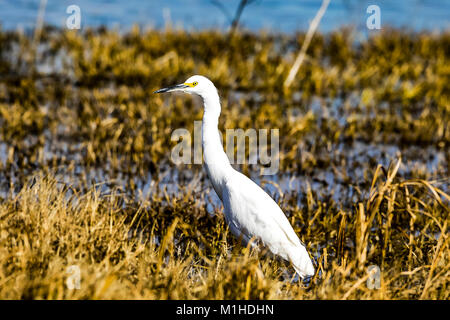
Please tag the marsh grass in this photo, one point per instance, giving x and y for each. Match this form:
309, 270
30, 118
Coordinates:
85, 176
171, 249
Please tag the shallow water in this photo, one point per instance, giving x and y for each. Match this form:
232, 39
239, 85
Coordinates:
279, 16
338, 183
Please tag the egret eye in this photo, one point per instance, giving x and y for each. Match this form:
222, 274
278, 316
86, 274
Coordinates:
195, 83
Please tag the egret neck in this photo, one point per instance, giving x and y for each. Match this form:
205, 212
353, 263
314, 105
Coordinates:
217, 164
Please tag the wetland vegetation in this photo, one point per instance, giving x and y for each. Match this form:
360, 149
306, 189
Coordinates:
86, 178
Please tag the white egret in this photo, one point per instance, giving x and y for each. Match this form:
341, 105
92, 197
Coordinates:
249, 211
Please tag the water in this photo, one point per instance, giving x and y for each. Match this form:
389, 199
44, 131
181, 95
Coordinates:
172, 180
276, 16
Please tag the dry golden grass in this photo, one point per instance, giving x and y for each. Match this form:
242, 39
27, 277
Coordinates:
170, 248
82, 140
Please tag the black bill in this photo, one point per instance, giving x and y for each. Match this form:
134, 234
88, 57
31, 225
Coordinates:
172, 88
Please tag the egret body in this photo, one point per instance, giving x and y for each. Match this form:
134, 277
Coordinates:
249, 211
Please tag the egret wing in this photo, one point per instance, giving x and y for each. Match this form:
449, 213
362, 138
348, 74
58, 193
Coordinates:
255, 213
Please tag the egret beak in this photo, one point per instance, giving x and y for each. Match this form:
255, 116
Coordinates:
178, 87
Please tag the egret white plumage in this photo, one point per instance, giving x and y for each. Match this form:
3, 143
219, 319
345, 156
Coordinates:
249, 211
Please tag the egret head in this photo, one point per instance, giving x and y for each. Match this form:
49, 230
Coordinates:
196, 84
